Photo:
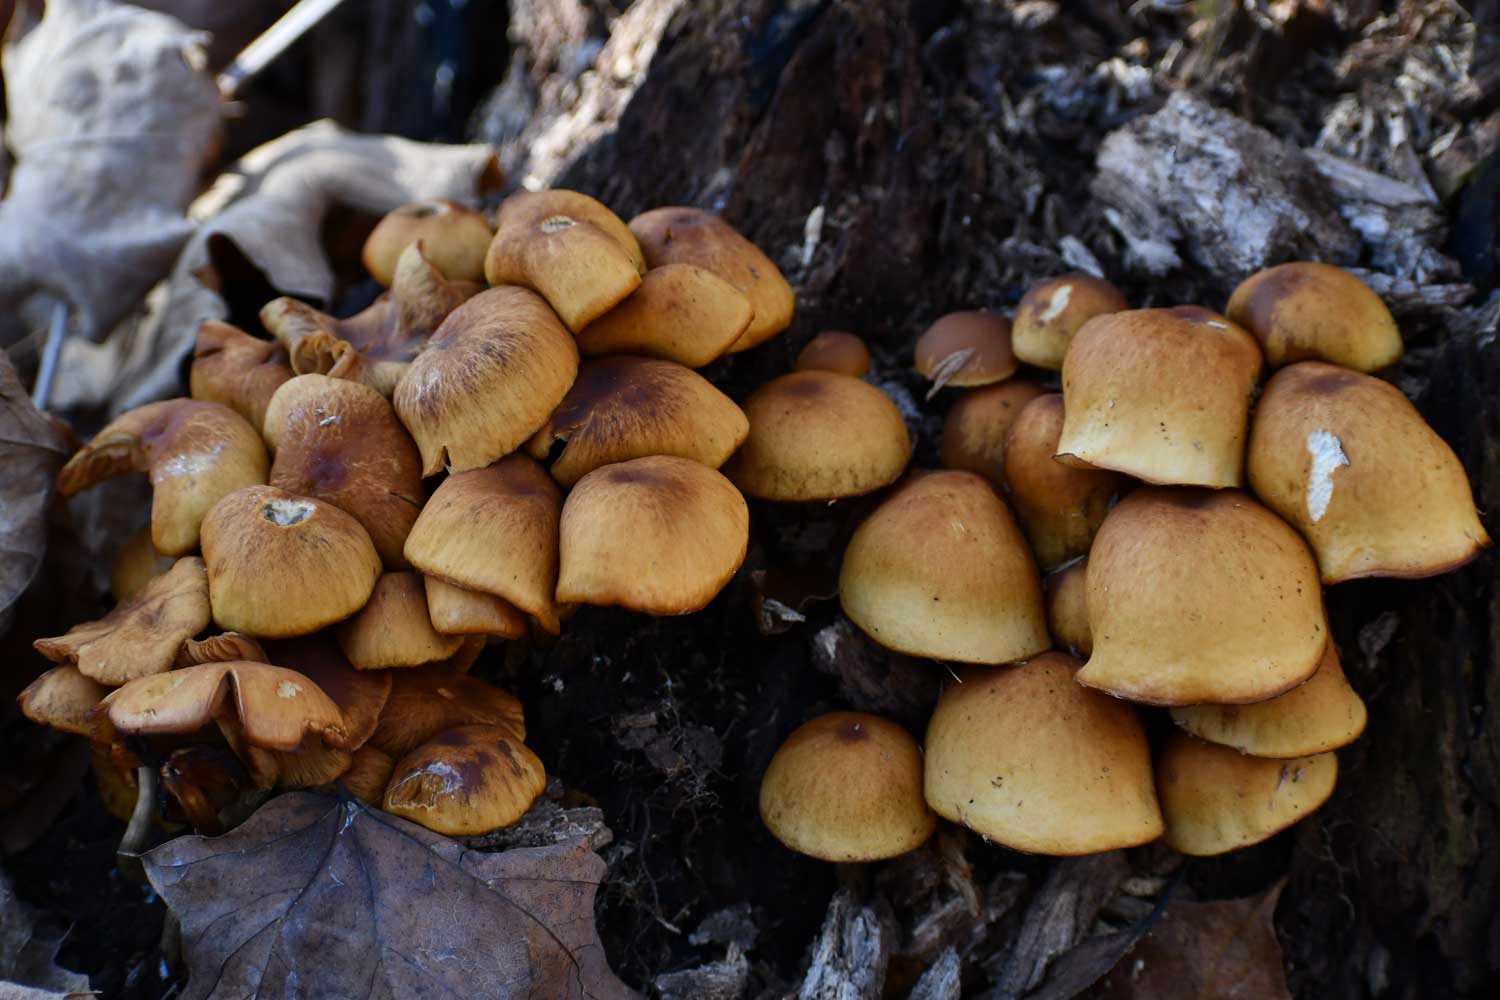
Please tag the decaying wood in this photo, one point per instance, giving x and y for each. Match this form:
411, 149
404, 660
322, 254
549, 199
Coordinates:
850, 956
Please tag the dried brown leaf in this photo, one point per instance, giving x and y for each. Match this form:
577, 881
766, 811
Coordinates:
32, 449
27, 967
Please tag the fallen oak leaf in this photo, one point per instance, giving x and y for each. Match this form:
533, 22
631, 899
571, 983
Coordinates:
32, 449
321, 896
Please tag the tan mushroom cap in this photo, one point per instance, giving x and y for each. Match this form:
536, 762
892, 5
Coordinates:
1216, 799
62, 698
940, 569
1053, 310
1067, 608
495, 530
1030, 759
281, 565
489, 378
1308, 311
466, 781
1351, 464
835, 351
426, 701
680, 235
625, 407
196, 453
662, 535
1160, 394
847, 786
236, 369
369, 772
140, 636
819, 435
1322, 714
977, 424
393, 629
135, 564
455, 610
1201, 596
966, 349
454, 237
680, 312
340, 441
221, 648
568, 248
1060, 507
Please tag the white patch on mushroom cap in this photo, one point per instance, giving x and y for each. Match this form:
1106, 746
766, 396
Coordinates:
288, 689
1057, 303
1327, 456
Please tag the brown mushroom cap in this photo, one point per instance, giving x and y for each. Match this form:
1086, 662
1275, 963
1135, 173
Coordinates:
1313, 311
489, 378
623, 407
940, 569
221, 648
236, 369
966, 349
975, 429
1053, 310
454, 237
495, 530
140, 636
368, 775
1201, 596
62, 698
340, 441
196, 453
1351, 464
1030, 759
466, 781
135, 564
847, 786
1160, 394
455, 610
835, 351
1322, 714
360, 695
1216, 799
281, 565
1067, 608
680, 312
679, 235
819, 436
426, 701
393, 629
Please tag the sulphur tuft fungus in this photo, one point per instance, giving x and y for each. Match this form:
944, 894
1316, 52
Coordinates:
1054, 309
236, 369
466, 781
835, 351
978, 424
454, 238
966, 349
680, 313
1307, 311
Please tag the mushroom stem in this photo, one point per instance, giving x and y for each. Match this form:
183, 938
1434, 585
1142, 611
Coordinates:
138, 831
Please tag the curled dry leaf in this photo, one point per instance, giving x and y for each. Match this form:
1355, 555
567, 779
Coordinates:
32, 449
326, 897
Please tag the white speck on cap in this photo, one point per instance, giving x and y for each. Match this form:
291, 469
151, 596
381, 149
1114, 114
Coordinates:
1327, 456
1058, 303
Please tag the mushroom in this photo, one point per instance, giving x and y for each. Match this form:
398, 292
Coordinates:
1160, 394
204, 782
368, 775
1322, 714
135, 564
466, 781
940, 569
568, 248
196, 453
454, 238
622, 408
966, 349
680, 313
393, 629
221, 648
494, 530
975, 429
847, 786
835, 351
426, 701
142, 635
488, 380
1306, 311
340, 442
680, 235
1200, 596
236, 369
455, 610
1351, 464
1025, 757
281, 565
1067, 608
818, 435
1053, 310
1216, 799
662, 535
62, 698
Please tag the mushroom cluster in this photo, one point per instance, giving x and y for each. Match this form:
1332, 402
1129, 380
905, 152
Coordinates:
1154, 535
345, 514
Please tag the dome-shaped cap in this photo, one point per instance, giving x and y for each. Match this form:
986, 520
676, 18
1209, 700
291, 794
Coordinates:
661, 535
1306, 311
492, 373
1029, 759
1067, 608
1197, 596
466, 781
940, 569
341, 442
625, 407
1160, 394
281, 565
455, 610
1322, 714
978, 423
368, 775
1054, 309
679, 235
966, 349
494, 529
393, 629
62, 698
1350, 463
1216, 799
236, 369
835, 351
454, 237
428, 700
819, 435
847, 786
680, 313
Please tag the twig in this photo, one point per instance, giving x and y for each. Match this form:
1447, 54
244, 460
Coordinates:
273, 41
57, 332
